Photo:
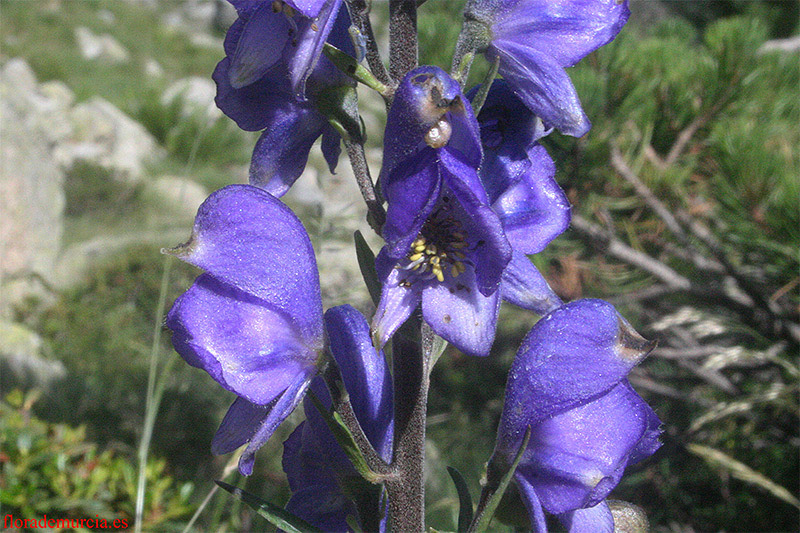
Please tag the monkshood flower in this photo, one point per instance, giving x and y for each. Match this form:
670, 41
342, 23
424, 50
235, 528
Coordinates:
253, 320
535, 40
445, 247
282, 99
325, 486
270, 32
519, 178
568, 384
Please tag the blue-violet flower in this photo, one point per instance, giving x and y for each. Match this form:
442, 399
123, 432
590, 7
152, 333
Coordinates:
325, 486
519, 178
282, 98
253, 320
568, 384
445, 247
534, 40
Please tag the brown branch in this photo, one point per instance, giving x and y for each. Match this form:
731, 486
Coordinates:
610, 244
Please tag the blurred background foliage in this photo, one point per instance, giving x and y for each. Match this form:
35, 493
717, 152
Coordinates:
688, 104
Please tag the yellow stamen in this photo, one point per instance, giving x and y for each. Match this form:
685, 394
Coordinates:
414, 257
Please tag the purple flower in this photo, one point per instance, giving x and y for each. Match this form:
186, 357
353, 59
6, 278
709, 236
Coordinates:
519, 177
568, 384
273, 79
253, 320
536, 39
445, 246
321, 477
271, 32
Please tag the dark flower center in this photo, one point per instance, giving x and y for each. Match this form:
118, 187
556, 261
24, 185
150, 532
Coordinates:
438, 250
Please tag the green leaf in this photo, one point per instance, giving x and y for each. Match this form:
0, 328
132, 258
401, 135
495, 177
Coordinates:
276, 516
464, 499
366, 262
345, 439
487, 508
351, 67
340, 107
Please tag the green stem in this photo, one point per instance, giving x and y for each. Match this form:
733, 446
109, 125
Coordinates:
153, 397
480, 96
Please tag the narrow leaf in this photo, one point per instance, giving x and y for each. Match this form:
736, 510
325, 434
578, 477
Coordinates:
350, 66
345, 439
464, 499
366, 262
482, 519
741, 471
276, 516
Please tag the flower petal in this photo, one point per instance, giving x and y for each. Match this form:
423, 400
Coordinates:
250, 106
535, 210
535, 510
365, 374
426, 95
411, 191
260, 45
248, 347
524, 286
239, 425
286, 403
490, 249
247, 238
395, 306
566, 30
577, 457
595, 519
461, 314
304, 49
281, 153
331, 147
309, 8
574, 353
542, 84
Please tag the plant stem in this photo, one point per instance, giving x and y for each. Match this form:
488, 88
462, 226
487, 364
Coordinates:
411, 380
376, 215
483, 92
403, 53
359, 14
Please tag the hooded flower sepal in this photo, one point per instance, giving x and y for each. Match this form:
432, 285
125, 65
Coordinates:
535, 41
273, 33
568, 384
253, 320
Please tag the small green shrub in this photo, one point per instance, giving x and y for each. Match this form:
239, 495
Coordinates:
53, 469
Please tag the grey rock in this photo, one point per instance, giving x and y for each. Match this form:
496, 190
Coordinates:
21, 354
31, 194
105, 135
197, 95
103, 47
179, 197
153, 68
